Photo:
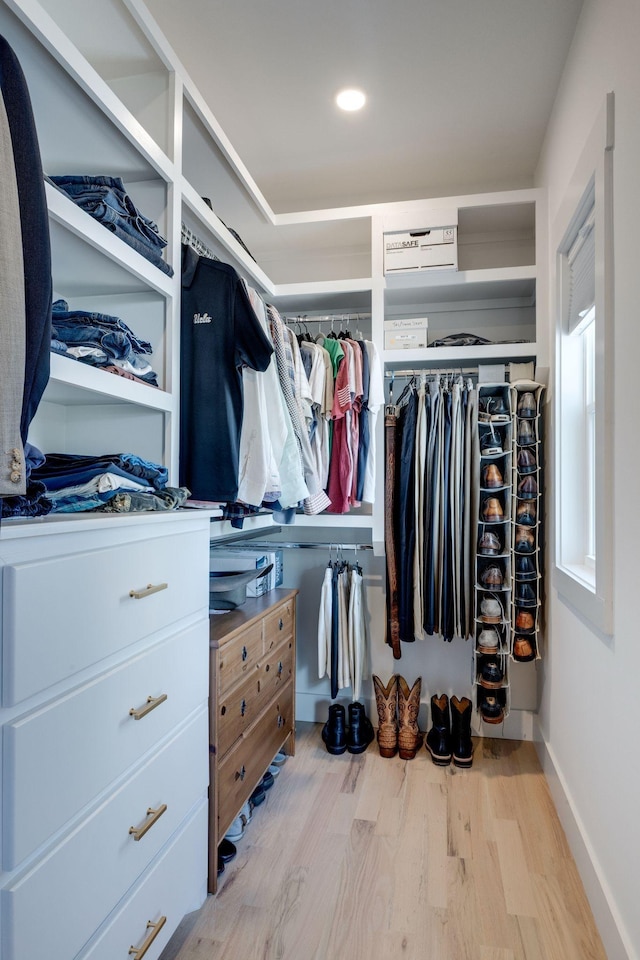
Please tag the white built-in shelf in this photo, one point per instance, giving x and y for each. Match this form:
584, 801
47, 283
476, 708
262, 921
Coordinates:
208, 223
442, 286
88, 259
340, 520
454, 356
73, 383
78, 81
324, 296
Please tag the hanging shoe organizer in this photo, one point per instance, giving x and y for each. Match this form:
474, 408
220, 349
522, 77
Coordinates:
494, 562
510, 543
528, 515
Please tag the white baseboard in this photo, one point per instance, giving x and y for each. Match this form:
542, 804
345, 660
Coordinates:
612, 931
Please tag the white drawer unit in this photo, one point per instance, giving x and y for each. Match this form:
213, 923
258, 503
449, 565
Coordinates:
105, 855
104, 740
81, 742
107, 599
169, 888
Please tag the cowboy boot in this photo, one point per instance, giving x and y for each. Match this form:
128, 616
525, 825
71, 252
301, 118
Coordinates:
439, 737
409, 736
387, 706
461, 731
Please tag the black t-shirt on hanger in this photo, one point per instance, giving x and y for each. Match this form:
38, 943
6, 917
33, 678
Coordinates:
219, 334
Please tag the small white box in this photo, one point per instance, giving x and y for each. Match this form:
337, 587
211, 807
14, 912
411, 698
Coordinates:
405, 334
425, 249
228, 561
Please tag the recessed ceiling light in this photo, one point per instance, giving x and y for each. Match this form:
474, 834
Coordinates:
351, 99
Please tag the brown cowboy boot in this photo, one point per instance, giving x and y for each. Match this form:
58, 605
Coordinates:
409, 736
387, 704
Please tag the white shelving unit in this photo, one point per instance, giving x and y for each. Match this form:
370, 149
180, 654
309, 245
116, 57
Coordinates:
133, 112
130, 110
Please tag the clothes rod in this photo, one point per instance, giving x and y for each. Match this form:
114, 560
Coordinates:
326, 318
288, 545
431, 371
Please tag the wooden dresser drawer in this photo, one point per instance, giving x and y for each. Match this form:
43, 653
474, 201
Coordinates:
172, 886
240, 708
100, 860
79, 743
96, 615
244, 765
279, 625
239, 657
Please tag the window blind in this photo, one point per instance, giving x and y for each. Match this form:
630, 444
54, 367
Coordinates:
581, 260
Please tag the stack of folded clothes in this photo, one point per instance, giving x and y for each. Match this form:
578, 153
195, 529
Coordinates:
120, 482
34, 502
106, 200
102, 341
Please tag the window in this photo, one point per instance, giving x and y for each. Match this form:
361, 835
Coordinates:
584, 328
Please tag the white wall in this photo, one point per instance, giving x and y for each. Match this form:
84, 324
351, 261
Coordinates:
590, 684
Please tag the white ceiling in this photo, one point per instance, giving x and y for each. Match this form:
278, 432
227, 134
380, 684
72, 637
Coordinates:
459, 91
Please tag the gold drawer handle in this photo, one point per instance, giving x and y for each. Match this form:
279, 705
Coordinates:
155, 926
148, 590
153, 815
151, 704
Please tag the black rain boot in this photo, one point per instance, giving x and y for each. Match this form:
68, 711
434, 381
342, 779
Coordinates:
461, 732
360, 733
439, 737
334, 731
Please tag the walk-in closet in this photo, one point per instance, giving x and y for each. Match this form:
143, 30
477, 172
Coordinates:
318, 559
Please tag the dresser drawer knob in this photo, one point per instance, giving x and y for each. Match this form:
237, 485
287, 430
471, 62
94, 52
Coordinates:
280, 623
243, 708
148, 590
280, 720
240, 774
152, 817
280, 668
152, 702
244, 654
155, 926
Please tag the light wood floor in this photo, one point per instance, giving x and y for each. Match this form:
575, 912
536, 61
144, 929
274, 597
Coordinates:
360, 858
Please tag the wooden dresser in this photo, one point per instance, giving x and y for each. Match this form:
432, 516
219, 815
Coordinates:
251, 703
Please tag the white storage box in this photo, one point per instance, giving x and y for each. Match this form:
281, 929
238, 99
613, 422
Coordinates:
405, 334
426, 249
223, 561
242, 558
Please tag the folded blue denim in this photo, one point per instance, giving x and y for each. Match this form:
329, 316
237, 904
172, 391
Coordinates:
85, 475
61, 464
62, 315
106, 200
33, 504
114, 343
142, 248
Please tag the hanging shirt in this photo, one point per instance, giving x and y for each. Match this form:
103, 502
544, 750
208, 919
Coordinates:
376, 399
341, 466
219, 333
258, 472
